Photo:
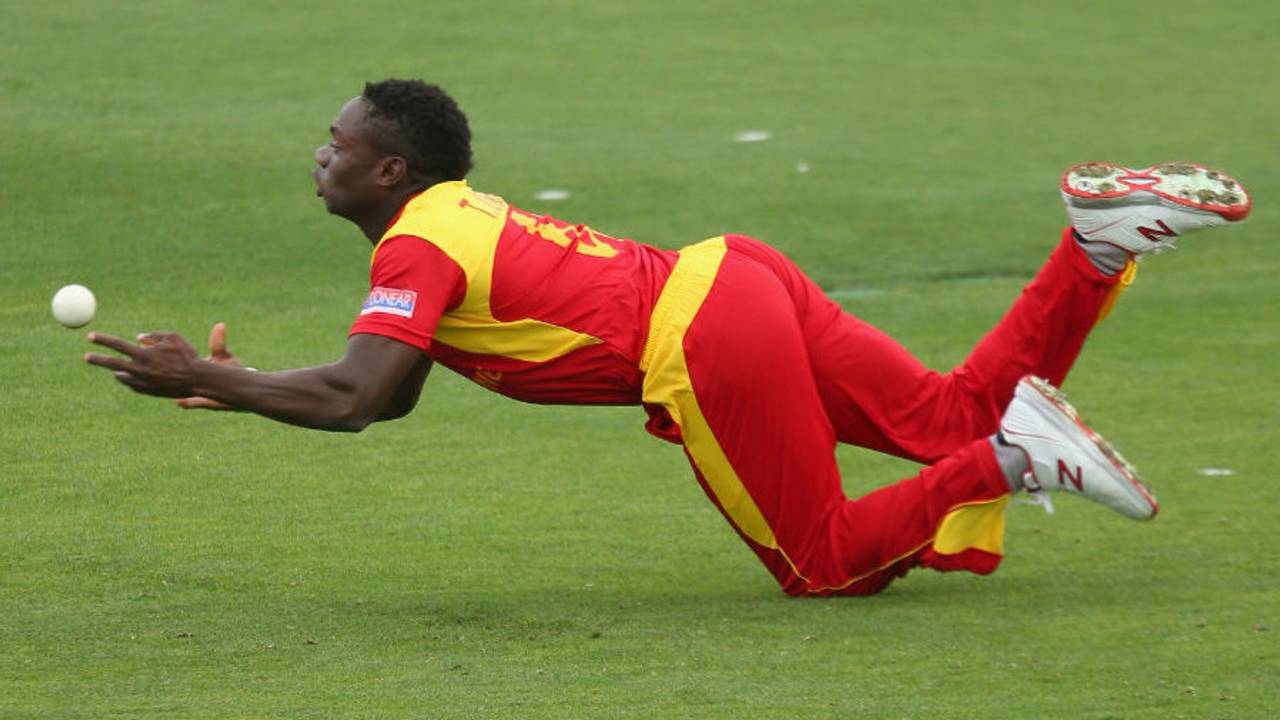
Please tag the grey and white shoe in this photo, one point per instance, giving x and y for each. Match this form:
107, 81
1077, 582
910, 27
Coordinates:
1144, 211
1065, 455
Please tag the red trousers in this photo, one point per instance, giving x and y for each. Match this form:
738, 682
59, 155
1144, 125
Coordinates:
758, 374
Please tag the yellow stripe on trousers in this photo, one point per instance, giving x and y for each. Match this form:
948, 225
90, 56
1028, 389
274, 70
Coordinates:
667, 383
1126, 279
977, 525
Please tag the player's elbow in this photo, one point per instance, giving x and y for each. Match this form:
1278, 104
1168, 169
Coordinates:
355, 419
350, 424
350, 415
350, 406
394, 411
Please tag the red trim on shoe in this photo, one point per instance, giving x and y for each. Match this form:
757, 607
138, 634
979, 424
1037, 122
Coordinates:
1145, 180
1123, 467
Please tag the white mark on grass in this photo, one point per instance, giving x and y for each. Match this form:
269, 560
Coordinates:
750, 136
1216, 472
802, 167
552, 194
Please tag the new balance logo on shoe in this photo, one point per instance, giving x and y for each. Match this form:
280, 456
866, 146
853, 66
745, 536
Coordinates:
1154, 235
1064, 474
1059, 447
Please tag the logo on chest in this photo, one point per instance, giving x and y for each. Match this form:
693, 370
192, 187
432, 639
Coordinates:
390, 301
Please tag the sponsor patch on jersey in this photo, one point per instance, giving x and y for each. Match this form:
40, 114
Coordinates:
390, 301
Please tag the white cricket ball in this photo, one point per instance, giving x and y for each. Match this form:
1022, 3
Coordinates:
74, 306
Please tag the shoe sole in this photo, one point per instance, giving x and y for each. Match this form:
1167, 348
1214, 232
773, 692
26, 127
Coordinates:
1138, 490
1189, 185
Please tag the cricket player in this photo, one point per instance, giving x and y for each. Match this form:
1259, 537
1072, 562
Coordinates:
731, 350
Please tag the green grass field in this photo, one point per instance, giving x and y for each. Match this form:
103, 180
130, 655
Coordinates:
487, 559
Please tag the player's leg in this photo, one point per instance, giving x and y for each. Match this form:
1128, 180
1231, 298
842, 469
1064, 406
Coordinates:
949, 517
733, 381
867, 385
726, 375
1059, 453
878, 395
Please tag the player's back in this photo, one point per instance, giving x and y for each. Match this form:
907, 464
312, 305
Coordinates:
557, 312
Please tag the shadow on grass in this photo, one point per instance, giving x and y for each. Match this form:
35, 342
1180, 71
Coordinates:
922, 600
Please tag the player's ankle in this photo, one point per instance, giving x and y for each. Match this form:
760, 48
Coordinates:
1012, 460
1107, 258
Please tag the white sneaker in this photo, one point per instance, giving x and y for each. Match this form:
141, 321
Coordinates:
1065, 455
1143, 211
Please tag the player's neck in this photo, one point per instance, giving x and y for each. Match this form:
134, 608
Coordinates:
375, 223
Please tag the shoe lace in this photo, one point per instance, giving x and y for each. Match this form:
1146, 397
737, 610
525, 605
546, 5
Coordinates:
1038, 497
1035, 494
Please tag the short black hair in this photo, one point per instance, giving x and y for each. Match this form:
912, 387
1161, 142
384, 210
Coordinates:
421, 123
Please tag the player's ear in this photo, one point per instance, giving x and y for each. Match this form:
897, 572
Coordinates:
391, 170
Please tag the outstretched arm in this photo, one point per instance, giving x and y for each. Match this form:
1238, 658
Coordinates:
377, 378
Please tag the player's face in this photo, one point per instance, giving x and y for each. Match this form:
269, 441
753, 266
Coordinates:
348, 164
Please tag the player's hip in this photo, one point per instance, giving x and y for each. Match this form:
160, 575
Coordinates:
723, 270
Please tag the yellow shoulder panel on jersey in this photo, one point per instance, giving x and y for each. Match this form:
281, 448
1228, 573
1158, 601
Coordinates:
466, 225
463, 223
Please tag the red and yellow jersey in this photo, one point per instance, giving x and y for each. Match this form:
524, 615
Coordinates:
523, 304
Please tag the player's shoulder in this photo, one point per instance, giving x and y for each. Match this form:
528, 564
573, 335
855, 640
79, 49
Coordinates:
456, 218
450, 206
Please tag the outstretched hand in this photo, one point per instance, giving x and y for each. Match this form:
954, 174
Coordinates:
162, 365
218, 353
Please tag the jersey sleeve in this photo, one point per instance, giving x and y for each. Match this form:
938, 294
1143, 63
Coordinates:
412, 283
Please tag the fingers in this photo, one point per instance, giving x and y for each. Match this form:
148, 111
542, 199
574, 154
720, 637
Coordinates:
155, 338
218, 341
127, 380
109, 362
123, 347
200, 403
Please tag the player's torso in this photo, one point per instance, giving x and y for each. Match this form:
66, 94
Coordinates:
552, 312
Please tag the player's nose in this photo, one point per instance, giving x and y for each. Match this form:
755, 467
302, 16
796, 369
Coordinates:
322, 155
